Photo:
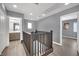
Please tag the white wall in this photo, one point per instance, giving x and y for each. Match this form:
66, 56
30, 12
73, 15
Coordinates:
13, 20
4, 29
69, 16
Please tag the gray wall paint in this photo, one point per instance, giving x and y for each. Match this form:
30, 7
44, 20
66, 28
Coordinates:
25, 26
53, 22
69, 32
4, 29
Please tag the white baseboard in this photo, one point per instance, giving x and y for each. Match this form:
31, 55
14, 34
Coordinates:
57, 43
70, 37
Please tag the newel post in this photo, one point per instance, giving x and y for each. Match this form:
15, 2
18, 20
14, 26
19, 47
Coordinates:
51, 37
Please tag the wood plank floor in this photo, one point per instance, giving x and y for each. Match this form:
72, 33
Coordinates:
15, 49
69, 48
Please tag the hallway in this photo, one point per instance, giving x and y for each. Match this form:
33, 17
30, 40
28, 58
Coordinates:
15, 49
17, 19
69, 48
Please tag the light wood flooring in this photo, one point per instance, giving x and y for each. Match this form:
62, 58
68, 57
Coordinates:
15, 49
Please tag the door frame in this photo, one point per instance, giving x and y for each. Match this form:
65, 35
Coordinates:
21, 37
61, 19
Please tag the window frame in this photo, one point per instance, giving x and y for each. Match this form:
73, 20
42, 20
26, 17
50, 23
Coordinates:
29, 25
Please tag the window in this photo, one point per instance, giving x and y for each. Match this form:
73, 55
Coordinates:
29, 25
75, 27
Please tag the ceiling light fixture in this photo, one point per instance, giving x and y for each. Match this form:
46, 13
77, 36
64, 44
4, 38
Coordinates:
43, 14
66, 3
15, 6
30, 14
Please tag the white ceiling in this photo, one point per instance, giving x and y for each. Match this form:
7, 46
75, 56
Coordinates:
38, 11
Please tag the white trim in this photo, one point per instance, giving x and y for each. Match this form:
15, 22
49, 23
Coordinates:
70, 37
61, 25
60, 30
57, 43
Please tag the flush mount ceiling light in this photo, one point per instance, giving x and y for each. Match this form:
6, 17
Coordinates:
43, 14
15, 6
30, 14
66, 3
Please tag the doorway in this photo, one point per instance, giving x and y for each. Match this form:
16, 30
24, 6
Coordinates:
68, 33
15, 28
70, 16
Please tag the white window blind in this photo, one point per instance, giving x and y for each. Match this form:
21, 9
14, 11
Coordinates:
75, 27
29, 25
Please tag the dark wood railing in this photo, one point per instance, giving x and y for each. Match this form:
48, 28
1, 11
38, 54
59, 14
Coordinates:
39, 43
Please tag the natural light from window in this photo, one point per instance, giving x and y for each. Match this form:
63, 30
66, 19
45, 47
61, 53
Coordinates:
29, 25
75, 27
